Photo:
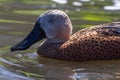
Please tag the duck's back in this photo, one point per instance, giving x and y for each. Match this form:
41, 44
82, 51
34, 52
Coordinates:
97, 42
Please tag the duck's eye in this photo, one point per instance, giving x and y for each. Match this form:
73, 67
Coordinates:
51, 18
50, 21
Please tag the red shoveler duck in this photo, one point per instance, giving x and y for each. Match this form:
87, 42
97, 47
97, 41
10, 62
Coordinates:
98, 42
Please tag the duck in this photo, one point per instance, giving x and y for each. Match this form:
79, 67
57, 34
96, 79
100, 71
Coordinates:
54, 28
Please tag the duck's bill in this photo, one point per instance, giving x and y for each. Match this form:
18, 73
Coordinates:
35, 35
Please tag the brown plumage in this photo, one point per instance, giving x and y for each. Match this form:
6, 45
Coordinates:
97, 42
94, 43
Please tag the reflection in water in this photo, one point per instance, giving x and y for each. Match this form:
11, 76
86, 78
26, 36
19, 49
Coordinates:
77, 4
60, 1
116, 5
85, 0
5, 74
94, 76
29, 66
16, 20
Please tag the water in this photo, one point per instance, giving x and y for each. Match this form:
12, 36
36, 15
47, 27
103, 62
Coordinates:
17, 18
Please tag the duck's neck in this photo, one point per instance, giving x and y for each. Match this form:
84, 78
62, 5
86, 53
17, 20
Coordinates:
49, 48
55, 41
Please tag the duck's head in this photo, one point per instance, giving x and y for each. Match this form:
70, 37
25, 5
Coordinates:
54, 25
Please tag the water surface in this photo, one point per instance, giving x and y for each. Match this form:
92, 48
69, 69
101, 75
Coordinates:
17, 18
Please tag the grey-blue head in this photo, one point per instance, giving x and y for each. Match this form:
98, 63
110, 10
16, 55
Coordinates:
54, 25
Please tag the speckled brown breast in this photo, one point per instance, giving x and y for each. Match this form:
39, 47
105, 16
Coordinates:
97, 42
